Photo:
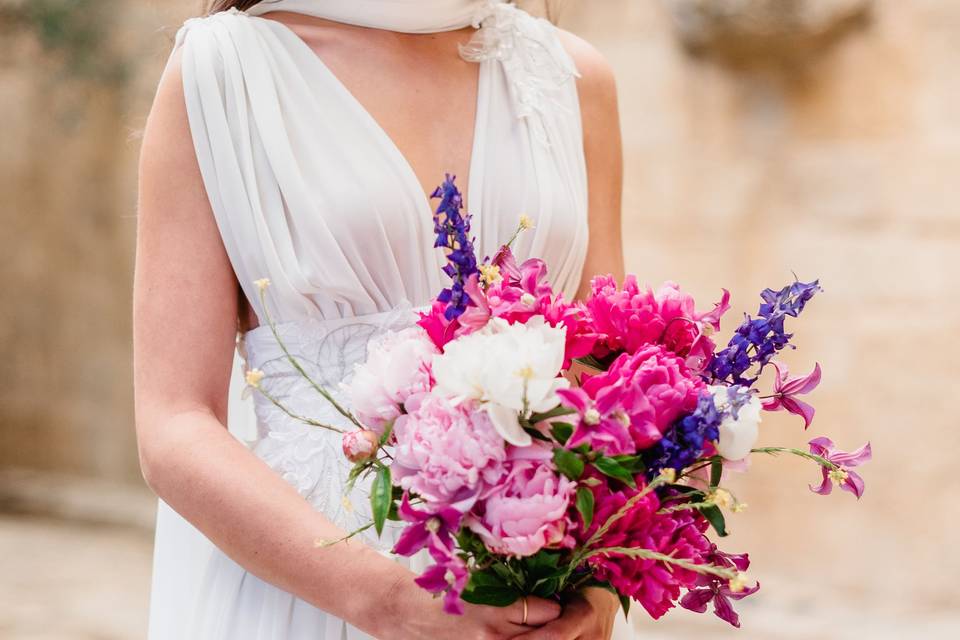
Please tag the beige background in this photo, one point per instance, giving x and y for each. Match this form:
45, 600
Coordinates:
839, 161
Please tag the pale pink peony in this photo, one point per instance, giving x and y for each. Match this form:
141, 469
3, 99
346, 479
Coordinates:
446, 454
527, 510
397, 366
649, 390
360, 444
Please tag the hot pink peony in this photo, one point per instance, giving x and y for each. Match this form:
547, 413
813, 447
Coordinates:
527, 510
640, 395
446, 454
654, 584
628, 318
397, 367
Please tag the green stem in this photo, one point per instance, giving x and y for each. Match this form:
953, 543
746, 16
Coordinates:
634, 552
296, 365
330, 543
823, 462
295, 416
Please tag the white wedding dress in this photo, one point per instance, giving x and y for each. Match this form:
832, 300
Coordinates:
310, 192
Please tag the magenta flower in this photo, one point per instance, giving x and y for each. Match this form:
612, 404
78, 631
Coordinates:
628, 318
786, 389
440, 329
602, 422
713, 588
643, 393
448, 576
433, 531
654, 584
849, 480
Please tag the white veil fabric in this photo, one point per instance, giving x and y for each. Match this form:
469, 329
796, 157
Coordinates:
404, 16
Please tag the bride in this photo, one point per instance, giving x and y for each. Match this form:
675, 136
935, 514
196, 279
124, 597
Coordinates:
297, 140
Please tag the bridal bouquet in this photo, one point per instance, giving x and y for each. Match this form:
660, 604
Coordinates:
535, 445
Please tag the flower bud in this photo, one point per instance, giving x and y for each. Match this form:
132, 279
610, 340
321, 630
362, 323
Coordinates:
254, 377
360, 445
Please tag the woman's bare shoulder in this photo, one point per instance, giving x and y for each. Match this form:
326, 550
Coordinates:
597, 85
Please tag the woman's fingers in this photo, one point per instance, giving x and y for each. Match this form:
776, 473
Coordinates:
566, 627
509, 620
539, 611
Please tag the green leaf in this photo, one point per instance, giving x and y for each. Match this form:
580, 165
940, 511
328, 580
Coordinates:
625, 605
715, 517
561, 431
716, 472
546, 587
381, 496
486, 587
585, 506
486, 578
556, 412
634, 464
568, 463
490, 596
612, 468
592, 362
542, 561
387, 431
536, 435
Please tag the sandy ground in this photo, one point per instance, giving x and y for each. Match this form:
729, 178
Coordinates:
82, 582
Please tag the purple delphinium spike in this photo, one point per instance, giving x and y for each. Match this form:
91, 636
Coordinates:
756, 340
683, 443
849, 480
786, 390
713, 588
453, 233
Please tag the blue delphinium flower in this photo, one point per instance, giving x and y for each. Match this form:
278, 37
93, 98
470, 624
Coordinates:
683, 443
756, 340
453, 233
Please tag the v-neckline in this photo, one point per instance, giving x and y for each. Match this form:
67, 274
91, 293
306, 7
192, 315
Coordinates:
474, 176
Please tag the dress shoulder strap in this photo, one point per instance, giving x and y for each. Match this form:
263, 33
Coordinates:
535, 63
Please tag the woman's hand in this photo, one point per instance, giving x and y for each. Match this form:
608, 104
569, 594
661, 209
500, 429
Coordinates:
587, 615
416, 614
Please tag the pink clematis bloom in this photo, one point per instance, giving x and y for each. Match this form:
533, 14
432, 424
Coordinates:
849, 480
786, 390
712, 588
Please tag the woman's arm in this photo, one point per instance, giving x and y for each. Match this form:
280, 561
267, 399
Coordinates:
185, 309
604, 156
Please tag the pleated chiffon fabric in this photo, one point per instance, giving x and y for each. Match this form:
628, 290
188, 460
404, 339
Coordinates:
309, 191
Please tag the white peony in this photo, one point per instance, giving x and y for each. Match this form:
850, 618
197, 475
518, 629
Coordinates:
508, 368
737, 435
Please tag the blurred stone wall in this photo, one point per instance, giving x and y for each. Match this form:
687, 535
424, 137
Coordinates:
837, 160
76, 79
